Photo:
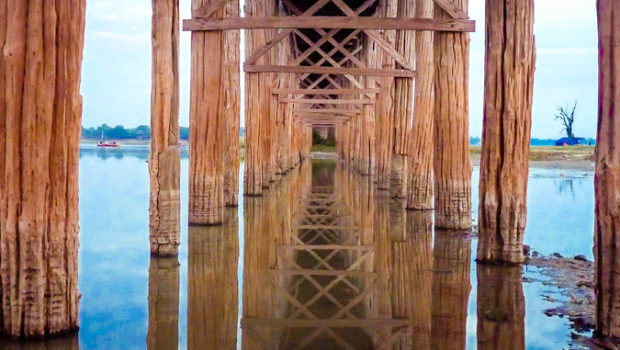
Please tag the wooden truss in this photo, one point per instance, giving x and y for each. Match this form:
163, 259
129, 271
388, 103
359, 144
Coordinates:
326, 60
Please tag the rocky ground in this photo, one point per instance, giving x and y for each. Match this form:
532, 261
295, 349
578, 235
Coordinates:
573, 277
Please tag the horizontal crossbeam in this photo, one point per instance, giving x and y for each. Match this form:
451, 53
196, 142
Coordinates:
332, 70
327, 101
324, 91
329, 22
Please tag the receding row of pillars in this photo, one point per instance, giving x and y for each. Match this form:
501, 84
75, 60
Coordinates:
40, 69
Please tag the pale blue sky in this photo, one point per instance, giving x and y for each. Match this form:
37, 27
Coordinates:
117, 64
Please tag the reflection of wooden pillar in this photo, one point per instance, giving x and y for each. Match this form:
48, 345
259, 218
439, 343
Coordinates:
451, 286
452, 161
501, 308
163, 304
41, 108
607, 233
212, 285
412, 278
509, 85
165, 158
206, 123
231, 106
420, 160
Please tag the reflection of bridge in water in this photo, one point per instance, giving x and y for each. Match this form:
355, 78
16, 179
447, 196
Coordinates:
329, 263
332, 264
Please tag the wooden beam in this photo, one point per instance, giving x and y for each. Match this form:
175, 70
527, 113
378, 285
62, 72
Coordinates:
329, 22
326, 111
327, 101
332, 70
451, 9
324, 91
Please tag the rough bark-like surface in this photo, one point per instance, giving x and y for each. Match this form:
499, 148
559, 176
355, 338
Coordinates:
451, 287
163, 330
231, 106
165, 158
452, 161
501, 308
207, 126
41, 110
213, 255
420, 161
509, 85
607, 181
384, 109
257, 107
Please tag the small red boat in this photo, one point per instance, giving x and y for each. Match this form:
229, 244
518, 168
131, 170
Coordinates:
112, 144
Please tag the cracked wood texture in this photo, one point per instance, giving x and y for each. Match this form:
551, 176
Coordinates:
420, 162
607, 177
452, 161
41, 110
509, 85
257, 102
384, 109
207, 124
231, 106
165, 158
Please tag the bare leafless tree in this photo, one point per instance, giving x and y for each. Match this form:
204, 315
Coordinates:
567, 116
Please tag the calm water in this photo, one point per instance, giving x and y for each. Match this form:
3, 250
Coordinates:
321, 261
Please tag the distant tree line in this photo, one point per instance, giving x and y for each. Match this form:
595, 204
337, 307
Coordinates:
119, 132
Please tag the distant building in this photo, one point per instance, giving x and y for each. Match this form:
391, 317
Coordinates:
571, 141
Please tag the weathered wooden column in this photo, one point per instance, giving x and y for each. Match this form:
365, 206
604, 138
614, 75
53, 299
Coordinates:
257, 95
509, 85
206, 168
421, 145
501, 308
165, 157
403, 105
385, 105
452, 160
163, 330
207, 121
41, 112
231, 106
607, 180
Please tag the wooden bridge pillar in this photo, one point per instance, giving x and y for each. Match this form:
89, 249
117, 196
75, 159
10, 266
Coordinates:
231, 106
165, 157
213, 109
452, 161
40, 123
607, 178
421, 145
509, 85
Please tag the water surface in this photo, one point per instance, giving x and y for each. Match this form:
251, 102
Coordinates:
321, 261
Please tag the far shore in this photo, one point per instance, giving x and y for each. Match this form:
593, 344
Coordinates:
571, 157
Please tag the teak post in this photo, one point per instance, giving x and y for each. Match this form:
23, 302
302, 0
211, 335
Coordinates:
607, 175
41, 114
206, 123
165, 158
452, 161
509, 85
420, 160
